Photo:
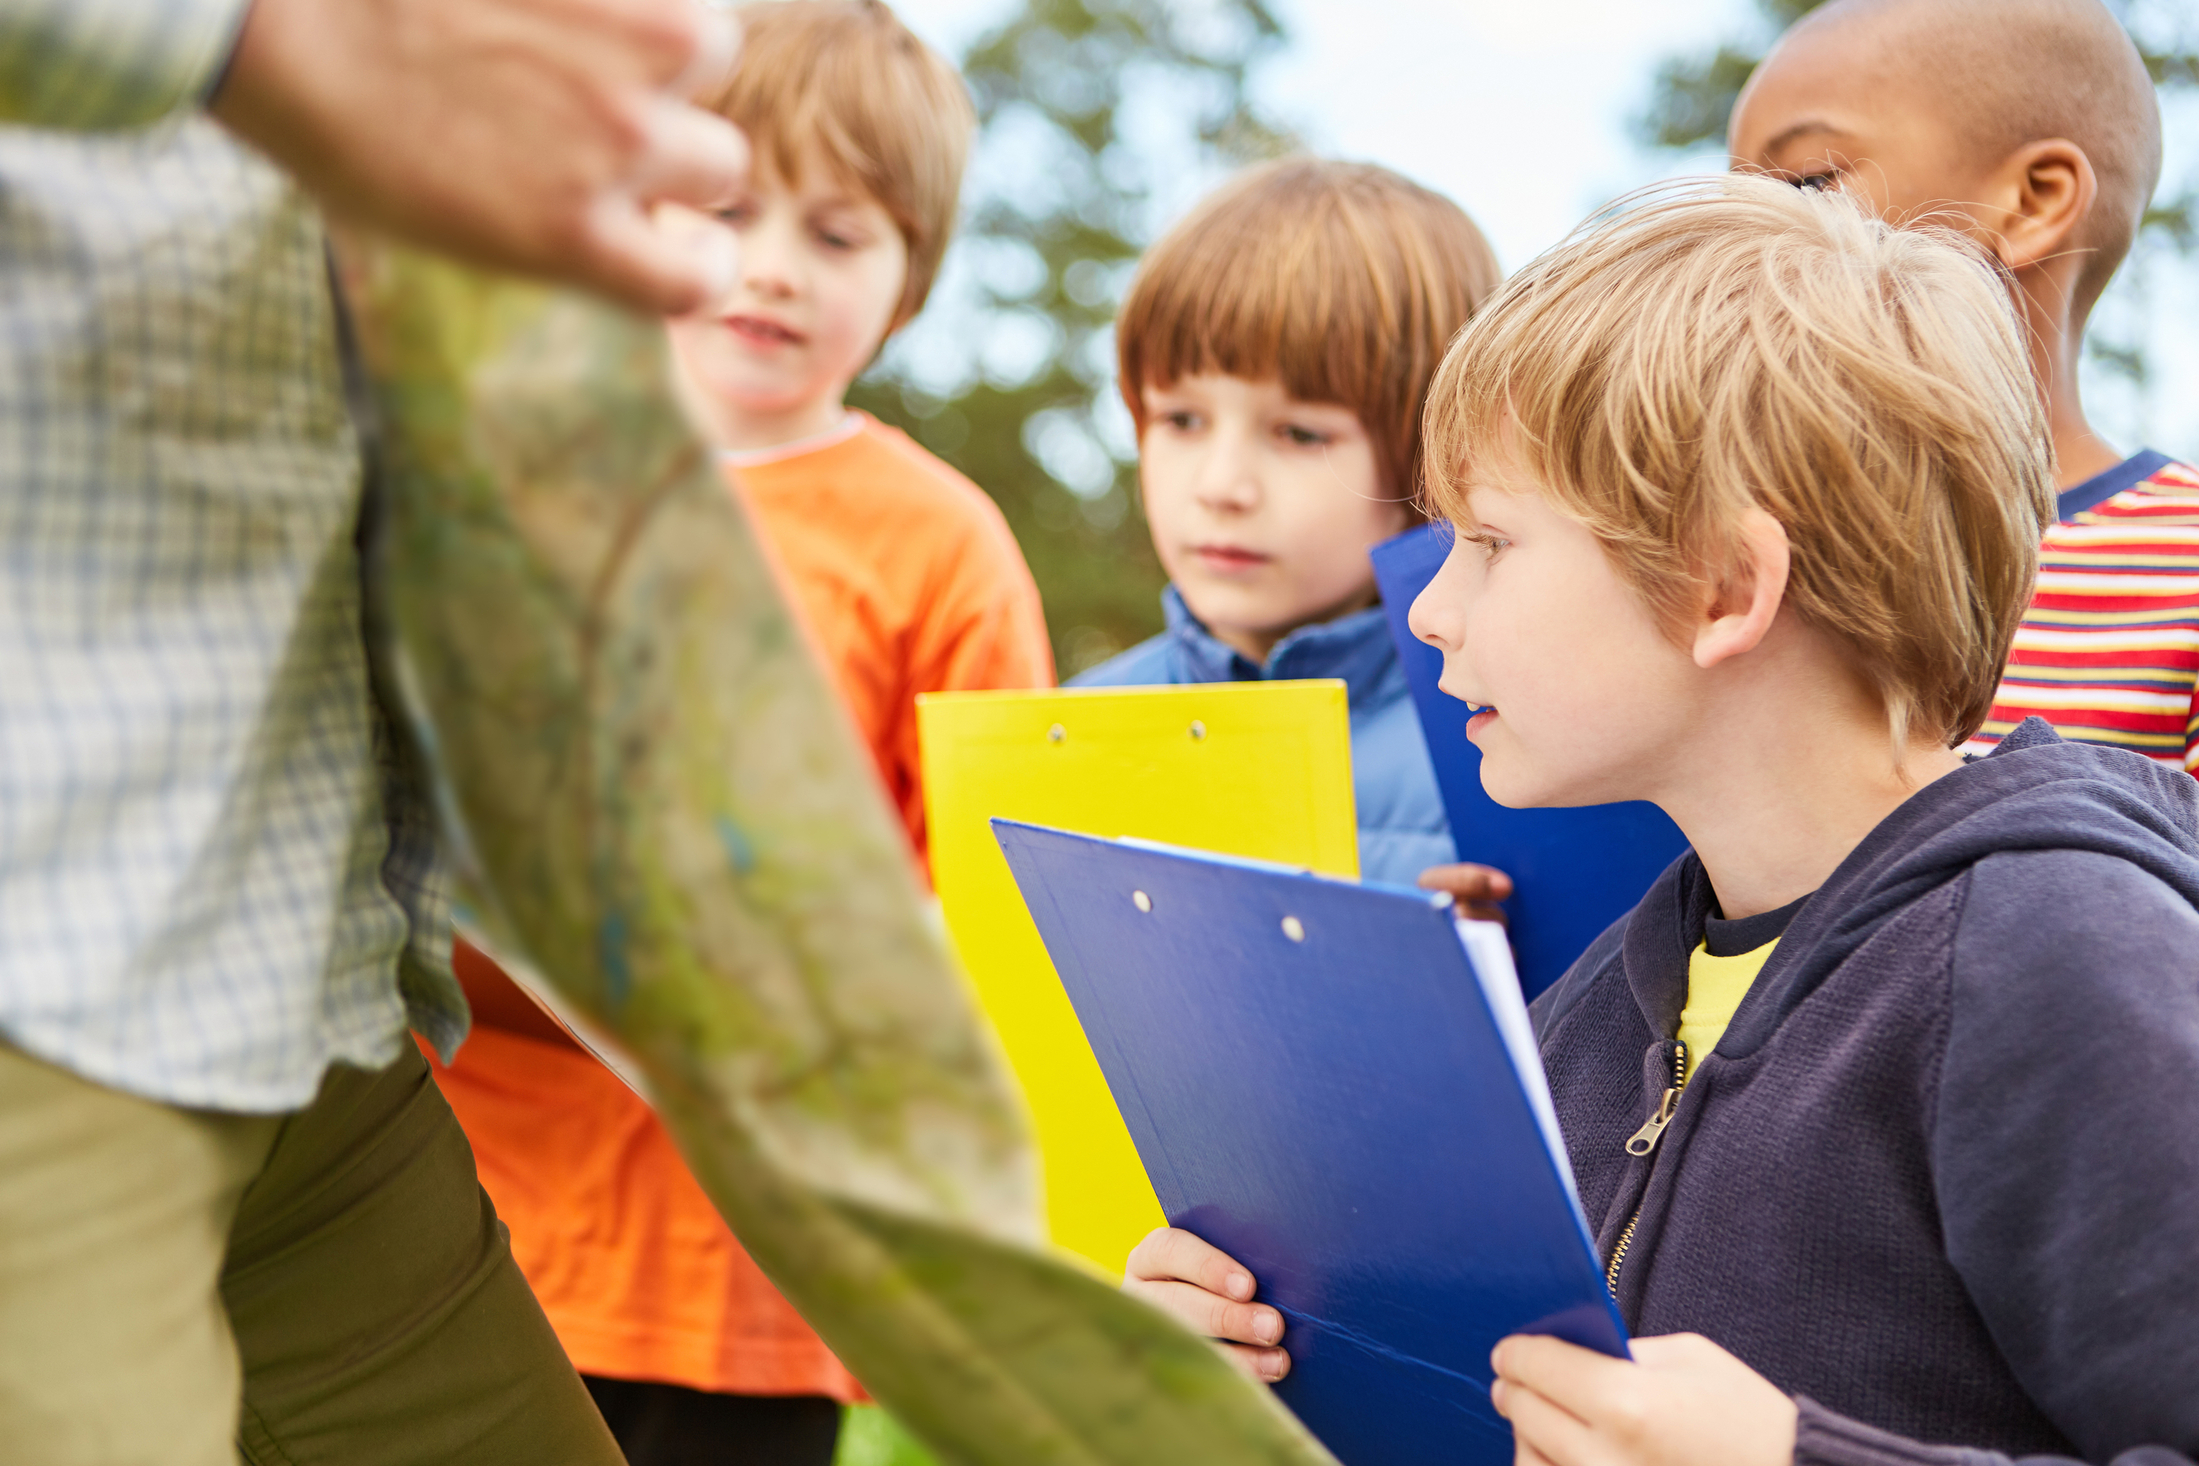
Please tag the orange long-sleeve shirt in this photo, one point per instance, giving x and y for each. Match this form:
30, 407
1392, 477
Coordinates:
910, 582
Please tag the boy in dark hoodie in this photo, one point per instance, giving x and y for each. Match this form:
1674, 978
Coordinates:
1887, 1087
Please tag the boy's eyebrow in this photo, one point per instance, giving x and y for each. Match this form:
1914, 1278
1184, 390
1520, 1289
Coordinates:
1803, 128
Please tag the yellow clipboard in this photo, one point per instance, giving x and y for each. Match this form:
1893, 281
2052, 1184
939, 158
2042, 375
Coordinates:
1257, 769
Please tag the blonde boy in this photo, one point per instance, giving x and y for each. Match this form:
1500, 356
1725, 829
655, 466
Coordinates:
910, 582
1886, 1086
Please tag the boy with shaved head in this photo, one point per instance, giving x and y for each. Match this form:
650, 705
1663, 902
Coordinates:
2032, 126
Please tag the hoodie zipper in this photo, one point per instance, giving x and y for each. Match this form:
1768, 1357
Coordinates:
1641, 1143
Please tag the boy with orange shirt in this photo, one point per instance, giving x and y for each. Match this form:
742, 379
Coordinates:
909, 581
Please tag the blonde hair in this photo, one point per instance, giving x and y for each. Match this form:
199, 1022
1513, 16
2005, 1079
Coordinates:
1343, 281
1717, 345
886, 111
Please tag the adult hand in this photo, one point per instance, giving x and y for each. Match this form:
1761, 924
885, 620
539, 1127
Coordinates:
522, 135
1209, 1292
1683, 1401
1476, 888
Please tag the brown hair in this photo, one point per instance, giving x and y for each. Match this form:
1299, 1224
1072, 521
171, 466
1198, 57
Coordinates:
889, 114
1342, 280
1717, 345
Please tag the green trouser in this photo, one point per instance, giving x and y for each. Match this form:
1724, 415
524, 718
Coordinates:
184, 1288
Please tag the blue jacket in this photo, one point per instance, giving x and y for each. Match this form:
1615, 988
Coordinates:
1941, 1175
1402, 830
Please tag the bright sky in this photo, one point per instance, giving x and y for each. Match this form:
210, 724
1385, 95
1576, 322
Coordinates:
1518, 110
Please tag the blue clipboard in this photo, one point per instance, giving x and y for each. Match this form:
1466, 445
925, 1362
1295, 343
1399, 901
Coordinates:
1324, 1084
1574, 871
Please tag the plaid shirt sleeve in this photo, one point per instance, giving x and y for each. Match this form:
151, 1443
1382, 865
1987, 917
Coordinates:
218, 869
99, 64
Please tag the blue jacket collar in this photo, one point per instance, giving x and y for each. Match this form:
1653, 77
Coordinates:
1356, 648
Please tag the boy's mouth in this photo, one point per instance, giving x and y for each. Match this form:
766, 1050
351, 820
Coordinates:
1229, 559
762, 331
1479, 715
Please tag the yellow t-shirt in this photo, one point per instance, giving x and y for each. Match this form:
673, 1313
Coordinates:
1715, 987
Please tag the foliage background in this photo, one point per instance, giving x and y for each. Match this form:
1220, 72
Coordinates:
1101, 120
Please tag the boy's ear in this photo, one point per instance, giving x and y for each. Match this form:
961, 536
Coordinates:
1748, 598
2047, 189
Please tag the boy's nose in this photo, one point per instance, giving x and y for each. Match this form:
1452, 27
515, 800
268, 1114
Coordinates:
769, 263
1234, 494
1438, 614
765, 277
1227, 482
1420, 619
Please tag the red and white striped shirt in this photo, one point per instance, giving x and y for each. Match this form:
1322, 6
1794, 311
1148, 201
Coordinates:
2109, 651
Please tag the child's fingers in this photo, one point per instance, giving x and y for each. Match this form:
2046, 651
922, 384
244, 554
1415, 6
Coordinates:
1468, 883
1582, 1383
1172, 1253
1264, 1365
1524, 1454
1205, 1313
1676, 1351
1545, 1435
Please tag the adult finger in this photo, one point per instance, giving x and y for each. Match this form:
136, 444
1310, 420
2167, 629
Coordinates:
1173, 1253
717, 47
687, 155
666, 272
1217, 1318
675, 46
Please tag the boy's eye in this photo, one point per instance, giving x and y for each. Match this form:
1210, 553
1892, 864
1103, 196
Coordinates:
734, 214
1299, 437
1817, 182
833, 239
1491, 545
1183, 419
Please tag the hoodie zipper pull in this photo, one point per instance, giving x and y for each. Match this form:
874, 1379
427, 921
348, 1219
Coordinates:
1644, 1140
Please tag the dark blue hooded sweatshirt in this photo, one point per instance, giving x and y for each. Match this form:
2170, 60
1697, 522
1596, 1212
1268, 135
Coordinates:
1940, 1178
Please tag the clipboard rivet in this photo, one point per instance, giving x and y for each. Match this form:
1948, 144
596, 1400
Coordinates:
1140, 900
1056, 733
1294, 928
1198, 731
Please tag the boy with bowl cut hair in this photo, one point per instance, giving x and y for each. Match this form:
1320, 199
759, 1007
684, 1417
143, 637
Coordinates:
1343, 281
909, 582
1274, 352
2031, 125
1859, 1091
